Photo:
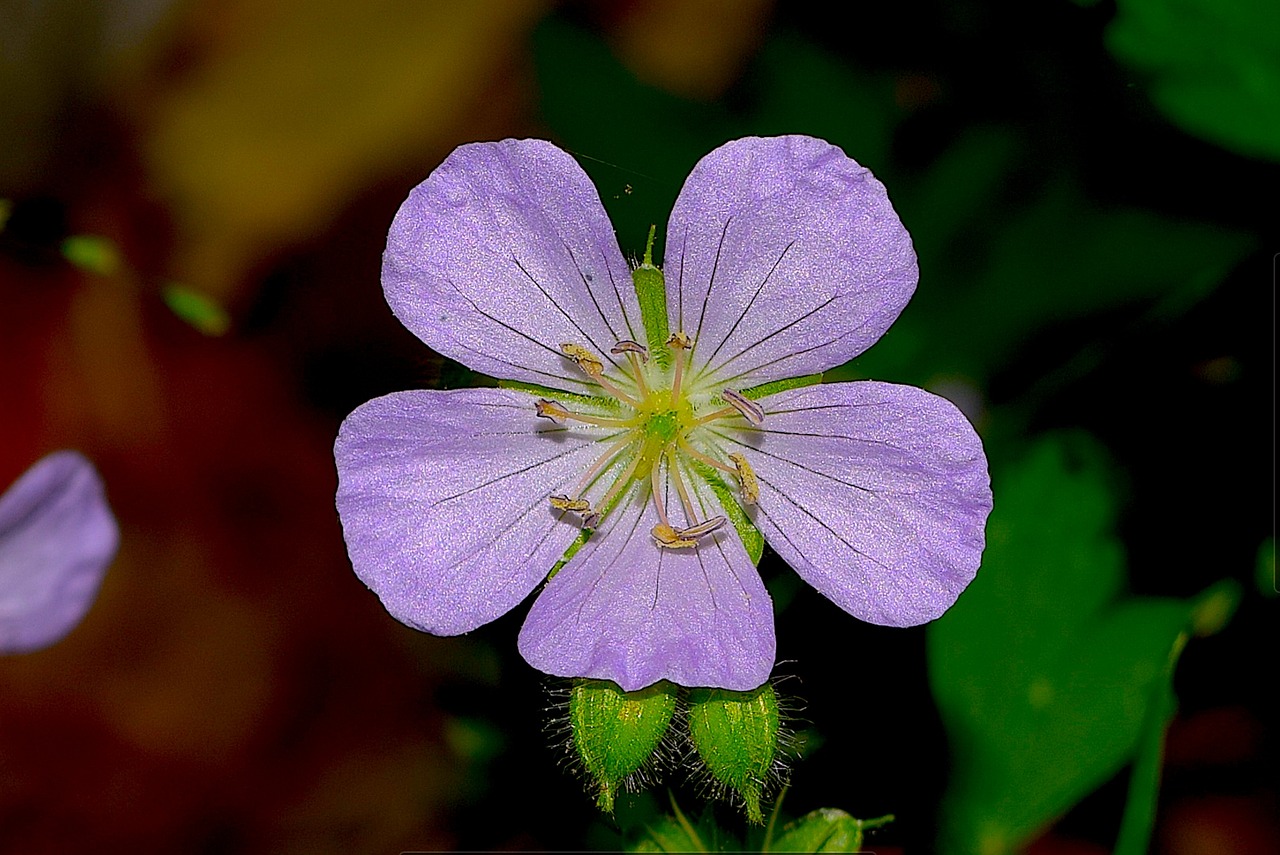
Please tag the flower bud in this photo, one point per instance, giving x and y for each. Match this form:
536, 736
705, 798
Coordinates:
615, 733
736, 735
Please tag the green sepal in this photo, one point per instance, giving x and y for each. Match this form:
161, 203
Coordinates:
751, 537
559, 394
651, 292
92, 253
773, 387
615, 732
736, 735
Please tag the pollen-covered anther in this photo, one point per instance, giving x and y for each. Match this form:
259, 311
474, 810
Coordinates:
750, 410
586, 360
679, 341
669, 538
746, 479
553, 410
577, 506
629, 346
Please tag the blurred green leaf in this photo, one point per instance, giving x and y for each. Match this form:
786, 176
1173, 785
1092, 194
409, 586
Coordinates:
992, 274
474, 740
984, 294
678, 834
92, 253
638, 142
801, 89
635, 141
195, 308
1044, 673
1214, 67
824, 830
1144, 782
1265, 571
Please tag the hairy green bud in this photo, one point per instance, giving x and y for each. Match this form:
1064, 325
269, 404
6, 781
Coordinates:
615, 733
736, 735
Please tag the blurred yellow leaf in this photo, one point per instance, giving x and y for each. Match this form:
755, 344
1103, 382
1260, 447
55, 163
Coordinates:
299, 105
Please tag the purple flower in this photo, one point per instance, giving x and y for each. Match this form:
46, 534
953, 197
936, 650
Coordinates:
57, 537
630, 442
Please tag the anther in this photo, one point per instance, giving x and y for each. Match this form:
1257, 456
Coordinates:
553, 410
564, 503
696, 531
668, 537
746, 479
629, 346
586, 360
679, 341
750, 410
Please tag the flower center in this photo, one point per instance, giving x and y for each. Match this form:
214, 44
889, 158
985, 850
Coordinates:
653, 438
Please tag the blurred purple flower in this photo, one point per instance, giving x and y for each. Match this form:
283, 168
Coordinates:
784, 258
57, 536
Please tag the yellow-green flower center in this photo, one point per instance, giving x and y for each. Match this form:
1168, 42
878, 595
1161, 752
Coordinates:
655, 436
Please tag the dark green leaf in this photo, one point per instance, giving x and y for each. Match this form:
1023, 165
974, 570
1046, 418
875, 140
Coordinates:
1044, 672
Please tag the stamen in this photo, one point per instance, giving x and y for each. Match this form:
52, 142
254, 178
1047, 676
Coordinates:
553, 410
676, 539
751, 411
696, 531
669, 538
594, 369
637, 354
564, 503
586, 360
698, 455
622, 481
746, 479
558, 413
629, 346
601, 462
616, 392
679, 342
674, 473
656, 486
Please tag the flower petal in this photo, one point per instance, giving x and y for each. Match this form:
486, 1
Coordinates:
784, 257
444, 504
625, 610
876, 494
57, 537
503, 254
